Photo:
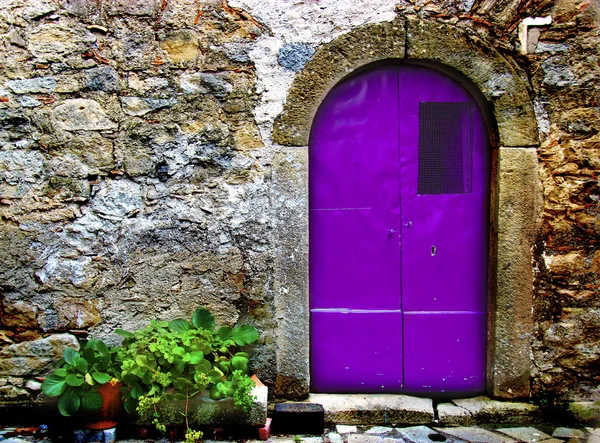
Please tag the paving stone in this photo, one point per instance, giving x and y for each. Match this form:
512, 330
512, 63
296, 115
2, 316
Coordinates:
363, 438
527, 434
474, 435
380, 430
346, 429
568, 433
303, 439
334, 437
418, 434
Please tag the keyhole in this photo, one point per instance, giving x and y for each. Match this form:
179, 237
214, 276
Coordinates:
433, 249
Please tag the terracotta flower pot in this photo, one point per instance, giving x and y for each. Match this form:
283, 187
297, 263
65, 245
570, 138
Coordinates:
112, 407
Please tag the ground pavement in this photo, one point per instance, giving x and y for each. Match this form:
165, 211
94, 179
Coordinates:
387, 434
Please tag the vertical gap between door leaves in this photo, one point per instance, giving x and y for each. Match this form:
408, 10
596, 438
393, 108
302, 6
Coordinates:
400, 232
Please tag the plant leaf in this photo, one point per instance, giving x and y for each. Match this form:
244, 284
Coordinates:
182, 383
224, 332
196, 357
141, 360
98, 345
214, 376
101, 377
89, 379
244, 335
130, 379
130, 405
54, 385
240, 363
81, 364
68, 403
178, 350
71, 356
136, 391
203, 367
180, 326
91, 401
88, 354
215, 394
180, 396
74, 380
203, 319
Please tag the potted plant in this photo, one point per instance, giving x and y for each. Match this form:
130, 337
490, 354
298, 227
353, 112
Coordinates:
168, 366
87, 383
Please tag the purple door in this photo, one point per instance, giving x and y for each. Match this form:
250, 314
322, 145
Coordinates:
399, 172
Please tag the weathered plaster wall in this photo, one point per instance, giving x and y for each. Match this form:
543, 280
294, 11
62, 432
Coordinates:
136, 180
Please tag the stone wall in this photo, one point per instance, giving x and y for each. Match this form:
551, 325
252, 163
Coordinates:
135, 167
564, 73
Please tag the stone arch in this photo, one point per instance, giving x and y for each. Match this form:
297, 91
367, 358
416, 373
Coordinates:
515, 199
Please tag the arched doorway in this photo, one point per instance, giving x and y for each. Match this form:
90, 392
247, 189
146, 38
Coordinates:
515, 195
399, 202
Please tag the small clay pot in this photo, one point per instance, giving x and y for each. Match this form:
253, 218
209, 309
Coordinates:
112, 408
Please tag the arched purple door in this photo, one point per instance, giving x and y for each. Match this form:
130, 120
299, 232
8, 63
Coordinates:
399, 190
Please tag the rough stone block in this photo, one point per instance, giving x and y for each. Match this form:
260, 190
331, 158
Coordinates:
81, 114
182, 46
52, 42
41, 85
374, 409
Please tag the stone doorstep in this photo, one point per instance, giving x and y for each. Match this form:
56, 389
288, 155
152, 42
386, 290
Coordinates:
374, 409
478, 410
385, 409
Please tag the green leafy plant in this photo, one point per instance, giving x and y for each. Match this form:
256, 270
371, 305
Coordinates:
177, 360
79, 375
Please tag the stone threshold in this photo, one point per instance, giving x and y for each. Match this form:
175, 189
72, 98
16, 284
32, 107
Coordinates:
394, 409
